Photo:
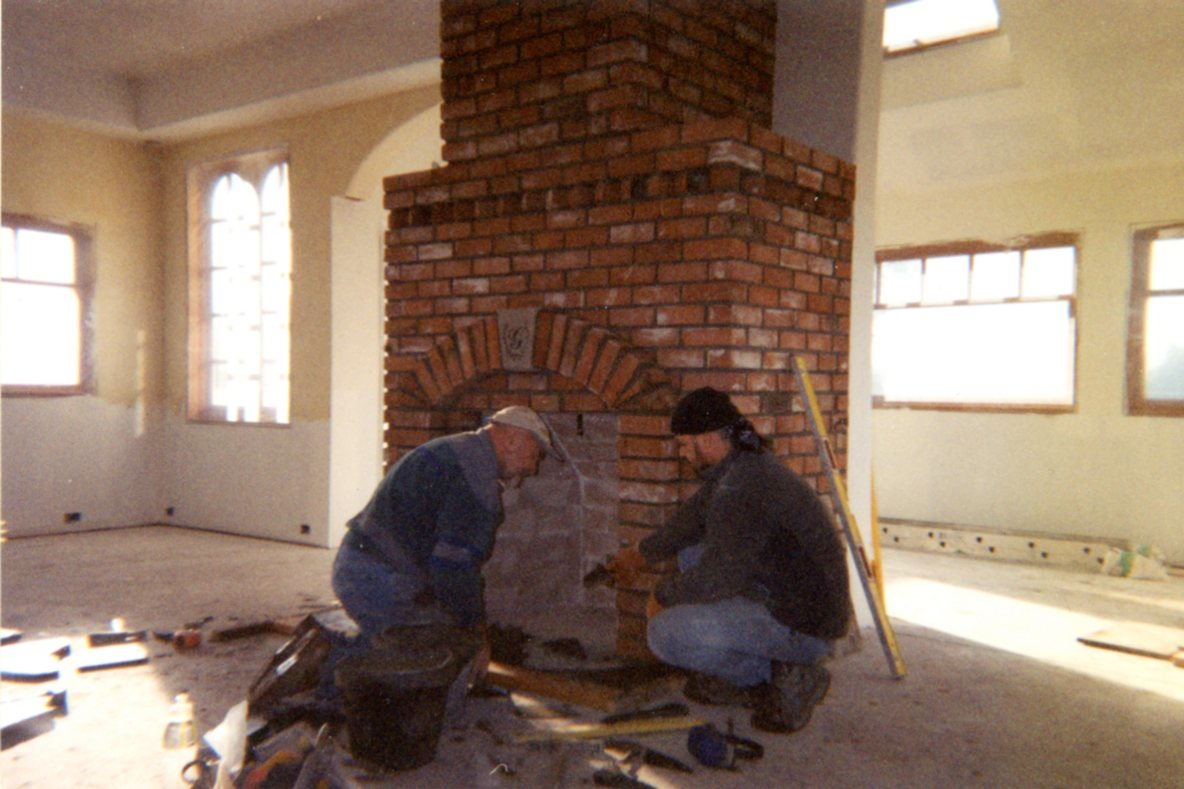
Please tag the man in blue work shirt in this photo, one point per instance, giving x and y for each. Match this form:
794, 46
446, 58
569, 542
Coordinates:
413, 555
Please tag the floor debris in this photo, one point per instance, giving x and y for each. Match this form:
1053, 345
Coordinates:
1138, 638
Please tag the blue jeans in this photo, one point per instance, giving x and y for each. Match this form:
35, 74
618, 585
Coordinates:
734, 639
379, 596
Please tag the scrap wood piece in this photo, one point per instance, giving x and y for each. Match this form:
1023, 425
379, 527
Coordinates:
114, 656
608, 690
597, 731
8, 635
33, 661
554, 685
245, 631
25, 718
106, 638
1138, 638
25, 708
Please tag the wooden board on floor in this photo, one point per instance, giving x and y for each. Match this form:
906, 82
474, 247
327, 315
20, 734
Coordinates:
33, 661
608, 690
1138, 638
115, 656
596, 731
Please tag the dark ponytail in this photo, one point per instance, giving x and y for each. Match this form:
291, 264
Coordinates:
743, 436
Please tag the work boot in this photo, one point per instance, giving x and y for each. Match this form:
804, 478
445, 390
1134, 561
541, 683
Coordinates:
785, 704
710, 689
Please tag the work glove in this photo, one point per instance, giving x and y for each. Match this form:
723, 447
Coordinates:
625, 566
652, 606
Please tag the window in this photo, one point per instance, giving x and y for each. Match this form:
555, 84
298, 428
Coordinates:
910, 25
240, 290
1155, 355
45, 308
976, 326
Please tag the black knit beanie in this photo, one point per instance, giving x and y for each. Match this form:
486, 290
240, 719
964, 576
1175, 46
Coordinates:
703, 411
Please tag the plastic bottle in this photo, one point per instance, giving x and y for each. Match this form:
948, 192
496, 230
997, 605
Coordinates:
179, 741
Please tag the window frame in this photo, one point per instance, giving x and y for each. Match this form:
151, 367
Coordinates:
925, 46
1136, 403
971, 248
252, 166
84, 286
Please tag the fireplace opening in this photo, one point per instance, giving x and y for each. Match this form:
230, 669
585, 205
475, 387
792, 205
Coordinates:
558, 525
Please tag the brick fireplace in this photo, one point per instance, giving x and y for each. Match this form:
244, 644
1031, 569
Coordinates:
615, 224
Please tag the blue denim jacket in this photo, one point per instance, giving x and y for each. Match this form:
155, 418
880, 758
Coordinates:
434, 515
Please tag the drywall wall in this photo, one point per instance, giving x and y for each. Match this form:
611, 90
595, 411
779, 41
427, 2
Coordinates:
1094, 472
358, 224
95, 454
272, 481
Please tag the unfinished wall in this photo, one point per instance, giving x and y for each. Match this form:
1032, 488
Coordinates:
1094, 472
271, 481
95, 454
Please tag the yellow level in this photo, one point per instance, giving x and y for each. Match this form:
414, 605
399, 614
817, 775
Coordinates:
847, 521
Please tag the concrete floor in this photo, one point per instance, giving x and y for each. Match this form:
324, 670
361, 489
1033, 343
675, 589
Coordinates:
999, 693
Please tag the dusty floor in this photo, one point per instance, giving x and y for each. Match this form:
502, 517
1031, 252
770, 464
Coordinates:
999, 693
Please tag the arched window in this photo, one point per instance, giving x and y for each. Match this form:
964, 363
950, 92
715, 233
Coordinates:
240, 290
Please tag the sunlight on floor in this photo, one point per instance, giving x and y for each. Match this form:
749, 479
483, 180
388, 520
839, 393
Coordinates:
1041, 632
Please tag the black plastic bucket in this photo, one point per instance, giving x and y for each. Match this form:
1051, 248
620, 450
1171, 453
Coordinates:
395, 701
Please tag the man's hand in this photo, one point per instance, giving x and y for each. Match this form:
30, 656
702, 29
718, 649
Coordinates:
652, 606
625, 566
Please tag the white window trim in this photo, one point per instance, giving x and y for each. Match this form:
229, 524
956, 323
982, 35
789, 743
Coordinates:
84, 285
1045, 240
253, 167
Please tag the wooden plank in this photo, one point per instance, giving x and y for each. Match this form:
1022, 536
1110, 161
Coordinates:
33, 661
596, 731
1138, 638
563, 687
116, 656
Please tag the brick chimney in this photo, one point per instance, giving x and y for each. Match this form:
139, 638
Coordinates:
616, 225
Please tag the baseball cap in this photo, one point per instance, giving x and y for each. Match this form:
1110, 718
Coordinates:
523, 417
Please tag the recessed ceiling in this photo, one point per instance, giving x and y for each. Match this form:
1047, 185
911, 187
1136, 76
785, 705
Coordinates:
167, 68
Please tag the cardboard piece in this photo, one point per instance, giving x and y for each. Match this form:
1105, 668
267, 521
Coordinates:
1138, 638
294, 668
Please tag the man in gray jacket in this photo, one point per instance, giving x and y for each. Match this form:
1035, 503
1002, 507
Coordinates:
762, 590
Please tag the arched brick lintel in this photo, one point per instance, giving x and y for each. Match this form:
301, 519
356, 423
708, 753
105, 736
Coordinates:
623, 377
603, 363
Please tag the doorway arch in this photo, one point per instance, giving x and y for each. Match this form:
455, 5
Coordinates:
357, 223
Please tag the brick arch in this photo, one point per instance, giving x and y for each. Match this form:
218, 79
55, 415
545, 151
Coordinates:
423, 388
601, 362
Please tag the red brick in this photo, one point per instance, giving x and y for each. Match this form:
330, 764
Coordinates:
682, 357
608, 297
715, 249
680, 315
656, 338
605, 363
715, 337
593, 342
